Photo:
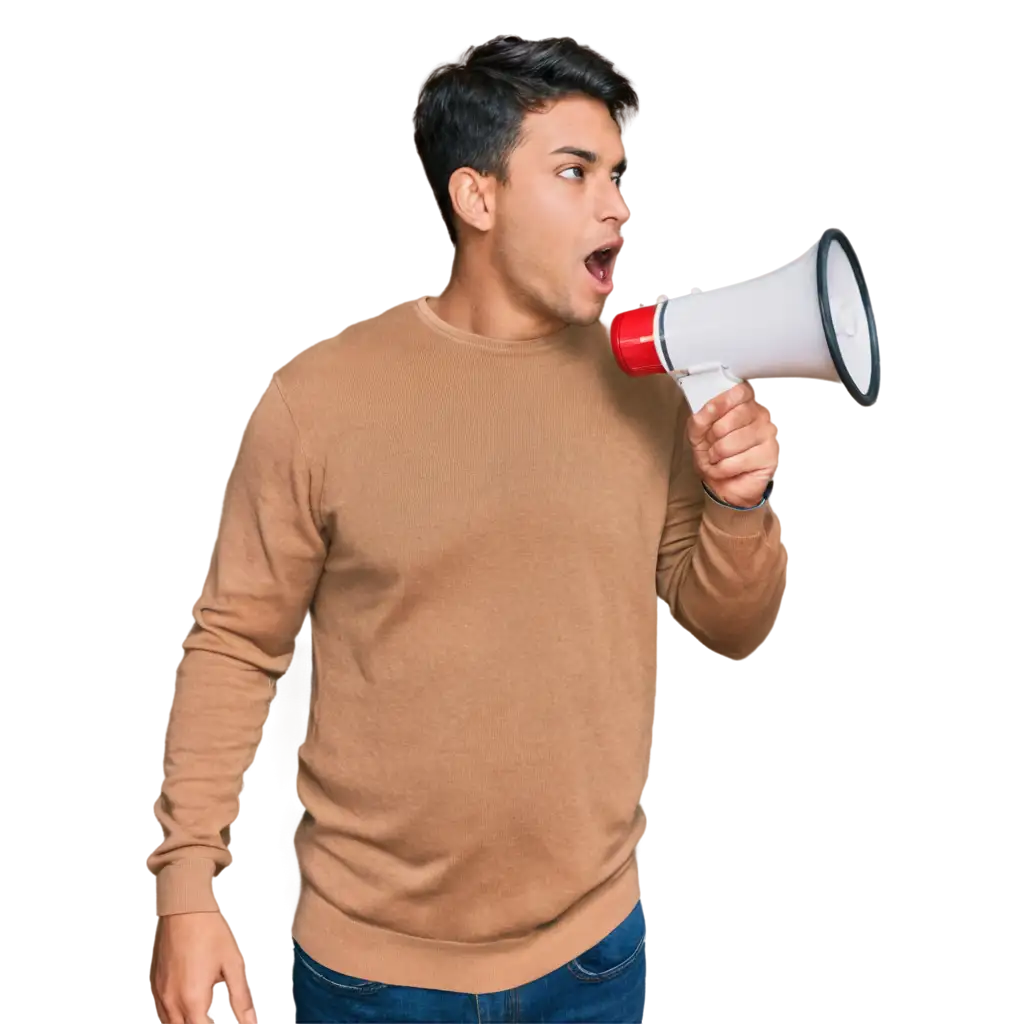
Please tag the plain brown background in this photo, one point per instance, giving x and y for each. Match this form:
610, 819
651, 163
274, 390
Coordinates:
183, 198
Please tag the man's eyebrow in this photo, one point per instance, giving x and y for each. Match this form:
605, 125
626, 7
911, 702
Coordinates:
589, 155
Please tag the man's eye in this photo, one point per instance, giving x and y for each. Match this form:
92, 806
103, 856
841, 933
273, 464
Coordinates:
617, 178
575, 167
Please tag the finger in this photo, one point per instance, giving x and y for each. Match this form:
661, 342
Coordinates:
161, 1011
238, 992
196, 1008
169, 1012
739, 416
711, 410
738, 484
752, 459
739, 440
720, 407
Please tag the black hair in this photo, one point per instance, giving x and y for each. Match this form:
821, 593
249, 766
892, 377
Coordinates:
469, 114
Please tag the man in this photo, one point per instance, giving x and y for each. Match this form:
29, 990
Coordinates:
479, 511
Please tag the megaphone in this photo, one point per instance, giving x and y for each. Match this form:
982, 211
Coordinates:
912, 315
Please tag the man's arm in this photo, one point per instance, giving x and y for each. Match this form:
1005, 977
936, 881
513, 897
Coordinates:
721, 571
265, 566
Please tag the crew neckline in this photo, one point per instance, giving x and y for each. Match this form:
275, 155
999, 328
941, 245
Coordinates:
524, 346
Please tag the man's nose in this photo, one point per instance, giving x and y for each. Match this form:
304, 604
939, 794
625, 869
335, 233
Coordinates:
615, 207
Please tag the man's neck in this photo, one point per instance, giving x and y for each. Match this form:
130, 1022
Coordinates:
484, 307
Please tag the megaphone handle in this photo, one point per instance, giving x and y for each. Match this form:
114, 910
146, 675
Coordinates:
701, 384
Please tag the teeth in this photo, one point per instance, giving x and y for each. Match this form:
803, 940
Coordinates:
601, 260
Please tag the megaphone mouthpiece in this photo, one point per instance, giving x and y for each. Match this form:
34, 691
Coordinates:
632, 338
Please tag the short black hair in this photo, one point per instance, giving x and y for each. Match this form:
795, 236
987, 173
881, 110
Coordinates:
469, 114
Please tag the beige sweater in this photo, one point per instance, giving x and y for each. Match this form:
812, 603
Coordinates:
479, 530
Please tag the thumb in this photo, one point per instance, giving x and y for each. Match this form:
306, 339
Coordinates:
238, 992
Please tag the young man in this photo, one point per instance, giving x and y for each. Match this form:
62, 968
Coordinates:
479, 510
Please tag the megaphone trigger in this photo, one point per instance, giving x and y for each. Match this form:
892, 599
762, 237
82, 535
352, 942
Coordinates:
703, 382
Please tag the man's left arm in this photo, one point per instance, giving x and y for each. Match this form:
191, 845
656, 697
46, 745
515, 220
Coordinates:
721, 570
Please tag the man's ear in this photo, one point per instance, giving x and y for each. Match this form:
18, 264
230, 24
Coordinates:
472, 196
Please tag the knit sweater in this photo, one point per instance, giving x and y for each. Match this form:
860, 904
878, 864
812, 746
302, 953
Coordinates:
479, 530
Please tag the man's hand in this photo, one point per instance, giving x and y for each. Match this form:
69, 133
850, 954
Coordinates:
191, 953
734, 445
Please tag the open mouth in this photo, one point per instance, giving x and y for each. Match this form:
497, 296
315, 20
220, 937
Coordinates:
600, 263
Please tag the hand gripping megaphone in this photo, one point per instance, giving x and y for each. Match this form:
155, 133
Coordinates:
915, 315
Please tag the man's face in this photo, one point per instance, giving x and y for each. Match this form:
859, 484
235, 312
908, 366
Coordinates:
559, 207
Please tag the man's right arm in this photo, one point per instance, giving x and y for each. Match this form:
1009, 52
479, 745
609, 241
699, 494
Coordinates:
265, 566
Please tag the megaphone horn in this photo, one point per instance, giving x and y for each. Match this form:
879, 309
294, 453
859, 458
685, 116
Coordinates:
809, 318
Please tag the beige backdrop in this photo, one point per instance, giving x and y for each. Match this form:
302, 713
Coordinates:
184, 197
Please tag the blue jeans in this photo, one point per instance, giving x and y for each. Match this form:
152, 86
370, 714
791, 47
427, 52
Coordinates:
604, 984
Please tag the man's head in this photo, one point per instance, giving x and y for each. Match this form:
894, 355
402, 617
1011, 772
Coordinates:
487, 130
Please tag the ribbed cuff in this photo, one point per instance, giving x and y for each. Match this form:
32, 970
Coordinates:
738, 523
185, 886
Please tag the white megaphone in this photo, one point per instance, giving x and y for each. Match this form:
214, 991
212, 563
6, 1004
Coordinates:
810, 318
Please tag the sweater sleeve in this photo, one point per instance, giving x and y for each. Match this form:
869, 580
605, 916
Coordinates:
721, 571
264, 569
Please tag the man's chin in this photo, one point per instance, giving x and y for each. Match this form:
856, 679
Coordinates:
580, 310
590, 312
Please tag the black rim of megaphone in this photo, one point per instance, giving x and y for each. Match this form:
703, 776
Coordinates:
834, 234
